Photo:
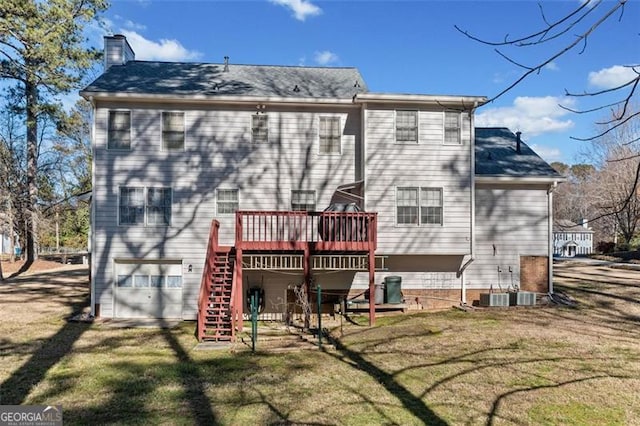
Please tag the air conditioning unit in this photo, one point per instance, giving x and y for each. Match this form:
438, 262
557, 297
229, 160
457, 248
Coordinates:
494, 299
522, 298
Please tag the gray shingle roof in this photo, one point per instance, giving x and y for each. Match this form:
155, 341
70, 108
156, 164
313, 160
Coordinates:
168, 78
496, 156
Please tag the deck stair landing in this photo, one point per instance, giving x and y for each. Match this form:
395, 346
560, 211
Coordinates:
217, 320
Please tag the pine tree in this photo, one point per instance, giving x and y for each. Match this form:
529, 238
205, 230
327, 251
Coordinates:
43, 50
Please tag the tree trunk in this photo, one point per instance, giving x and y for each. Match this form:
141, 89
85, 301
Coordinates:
31, 91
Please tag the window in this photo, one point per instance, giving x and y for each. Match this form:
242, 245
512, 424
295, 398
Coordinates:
173, 130
330, 135
407, 205
452, 127
303, 200
138, 209
159, 206
227, 201
431, 206
131, 206
260, 128
119, 130
166, 274
407, 126
419, 206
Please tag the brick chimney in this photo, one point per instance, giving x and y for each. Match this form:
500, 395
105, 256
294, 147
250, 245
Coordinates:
117, 51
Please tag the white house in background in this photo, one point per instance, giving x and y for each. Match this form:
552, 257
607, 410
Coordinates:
5, 236
571, 239
420, 193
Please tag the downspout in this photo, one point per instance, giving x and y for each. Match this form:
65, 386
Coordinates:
472, 224
92, 213
552, 188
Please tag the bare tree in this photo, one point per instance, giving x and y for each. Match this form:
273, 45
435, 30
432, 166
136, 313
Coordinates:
571, 32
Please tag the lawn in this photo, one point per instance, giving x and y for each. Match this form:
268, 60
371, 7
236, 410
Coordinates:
522, 366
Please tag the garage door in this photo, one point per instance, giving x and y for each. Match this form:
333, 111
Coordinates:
148, 290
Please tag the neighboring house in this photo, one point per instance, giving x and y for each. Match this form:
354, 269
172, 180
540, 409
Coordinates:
262, 150
5, 236
571, 239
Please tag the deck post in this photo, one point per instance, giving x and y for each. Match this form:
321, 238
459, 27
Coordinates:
372, 269
238, 302
306, 265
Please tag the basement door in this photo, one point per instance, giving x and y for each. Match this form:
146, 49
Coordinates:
148, 289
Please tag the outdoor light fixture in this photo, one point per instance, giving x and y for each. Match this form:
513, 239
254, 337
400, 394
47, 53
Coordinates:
190, 268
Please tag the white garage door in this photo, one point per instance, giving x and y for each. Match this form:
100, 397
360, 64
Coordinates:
148, 290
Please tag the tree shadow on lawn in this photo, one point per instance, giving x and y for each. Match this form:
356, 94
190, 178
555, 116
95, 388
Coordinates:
15, 389
133, 389
412, 403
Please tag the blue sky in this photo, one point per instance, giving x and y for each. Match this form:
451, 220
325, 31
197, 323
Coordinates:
402, 47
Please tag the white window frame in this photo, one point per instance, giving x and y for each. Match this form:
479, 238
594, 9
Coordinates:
145, 206
148, 206
458, 128
254, 127
417, 126
440, 205
163, 145
141, 207
419, 206
138, 268
300, 192
338, 136
116, 111
227, 202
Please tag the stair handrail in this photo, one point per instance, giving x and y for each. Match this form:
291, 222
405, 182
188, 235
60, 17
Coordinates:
207, 273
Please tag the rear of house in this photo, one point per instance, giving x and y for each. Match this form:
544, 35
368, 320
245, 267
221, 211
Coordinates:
261, 150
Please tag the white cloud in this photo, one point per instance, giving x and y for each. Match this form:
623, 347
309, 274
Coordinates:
551, 66
530, 115
325, 57
301, 8
549, 154
164, 50
129, 24
614, 76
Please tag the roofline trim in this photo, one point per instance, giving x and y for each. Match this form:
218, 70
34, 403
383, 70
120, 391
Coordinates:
446, 100
518, 179
224, 99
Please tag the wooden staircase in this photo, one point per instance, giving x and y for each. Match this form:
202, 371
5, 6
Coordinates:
218, 325
215, 303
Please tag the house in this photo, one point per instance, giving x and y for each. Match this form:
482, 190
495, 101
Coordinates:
210, 180
571, 239
6, 246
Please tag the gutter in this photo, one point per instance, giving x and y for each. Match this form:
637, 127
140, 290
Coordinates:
467, 102
221, 99
519, 179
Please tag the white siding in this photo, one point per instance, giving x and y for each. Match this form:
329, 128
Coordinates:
514, 220
429, 163
218, 154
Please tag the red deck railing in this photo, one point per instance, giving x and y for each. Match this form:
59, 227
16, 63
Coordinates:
207, 273
293, 230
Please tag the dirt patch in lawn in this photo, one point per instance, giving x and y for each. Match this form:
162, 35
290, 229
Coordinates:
10, 268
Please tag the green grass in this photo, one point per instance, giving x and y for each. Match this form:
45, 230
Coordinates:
526, 366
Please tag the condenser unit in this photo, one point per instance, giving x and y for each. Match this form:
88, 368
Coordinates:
522, 298
494, 299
